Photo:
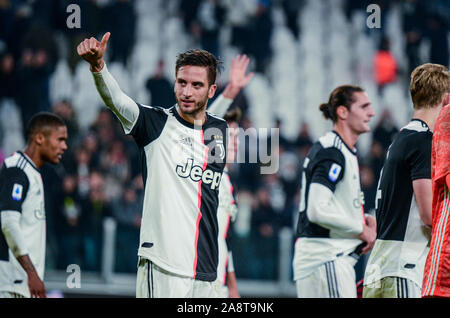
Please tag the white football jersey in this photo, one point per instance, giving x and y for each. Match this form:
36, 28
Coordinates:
225, 214
22, 190
329, 163
402, 243
182, 168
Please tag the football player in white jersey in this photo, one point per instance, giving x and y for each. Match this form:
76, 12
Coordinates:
227, 210
22, 208
183, 156
332, 229
404, 198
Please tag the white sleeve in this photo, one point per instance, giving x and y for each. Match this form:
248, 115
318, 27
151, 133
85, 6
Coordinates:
220, 106
11, 230
325, 210
126, 110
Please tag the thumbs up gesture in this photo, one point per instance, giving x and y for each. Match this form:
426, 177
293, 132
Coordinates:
93, 51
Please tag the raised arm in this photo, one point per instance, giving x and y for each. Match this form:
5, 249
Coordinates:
237, 81
126, 110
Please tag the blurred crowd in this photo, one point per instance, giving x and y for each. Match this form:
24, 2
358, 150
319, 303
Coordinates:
100, 174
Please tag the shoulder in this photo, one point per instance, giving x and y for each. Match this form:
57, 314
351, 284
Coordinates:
156, 110
413, 136
329, 148
215, 121
13, 170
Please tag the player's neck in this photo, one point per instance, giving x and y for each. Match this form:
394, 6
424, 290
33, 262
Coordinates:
34, 156
198, 118
427, 115
347, 135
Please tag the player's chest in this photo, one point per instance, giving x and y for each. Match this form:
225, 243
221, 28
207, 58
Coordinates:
181, 145
34, 206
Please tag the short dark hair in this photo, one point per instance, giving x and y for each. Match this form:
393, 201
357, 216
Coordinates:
233, 115
340, 96
199, 57
43, 122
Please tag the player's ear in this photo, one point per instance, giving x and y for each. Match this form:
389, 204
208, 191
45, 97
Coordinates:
342, 112
446, 99
212, 90
39, 138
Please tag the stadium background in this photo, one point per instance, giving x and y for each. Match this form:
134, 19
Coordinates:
300, 51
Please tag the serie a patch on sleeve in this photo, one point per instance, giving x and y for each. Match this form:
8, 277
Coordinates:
17, 192
333, 174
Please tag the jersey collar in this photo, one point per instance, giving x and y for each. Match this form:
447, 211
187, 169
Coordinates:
353, 151
174, 111
424, 124
29, 160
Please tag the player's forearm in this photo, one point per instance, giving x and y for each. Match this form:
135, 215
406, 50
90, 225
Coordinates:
27, 265
423, 195
325, 211
10, 221
231, 281
97, 67
120, 104
220, 106
231, 91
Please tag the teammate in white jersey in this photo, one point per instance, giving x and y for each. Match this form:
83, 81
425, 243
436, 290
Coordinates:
22, 208
227, 210
332, 229
404, 198
183, 151
226, 214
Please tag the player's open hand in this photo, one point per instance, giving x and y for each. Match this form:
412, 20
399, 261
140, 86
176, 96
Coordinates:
238, 79
93, 51
237, 71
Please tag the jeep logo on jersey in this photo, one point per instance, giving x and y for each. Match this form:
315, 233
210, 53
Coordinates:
196, 173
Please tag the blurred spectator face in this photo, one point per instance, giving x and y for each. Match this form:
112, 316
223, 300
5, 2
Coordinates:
27, 57
40, 58
90, 143
96, 186
263, 196
192, 90
106, 134
129, 195
69, 184
360, 113
138, 182
367, 176
63, 109
104, 118
376, 150
83, 157
7, 64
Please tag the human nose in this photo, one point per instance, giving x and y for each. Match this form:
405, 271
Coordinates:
187, 91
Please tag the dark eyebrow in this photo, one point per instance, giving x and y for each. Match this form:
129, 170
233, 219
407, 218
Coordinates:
365, 105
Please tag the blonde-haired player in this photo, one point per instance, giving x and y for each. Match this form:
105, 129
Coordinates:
396, 264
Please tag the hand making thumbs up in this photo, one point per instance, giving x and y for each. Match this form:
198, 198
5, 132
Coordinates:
93, 51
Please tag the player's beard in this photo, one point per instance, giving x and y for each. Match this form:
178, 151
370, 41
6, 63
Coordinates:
199, 106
